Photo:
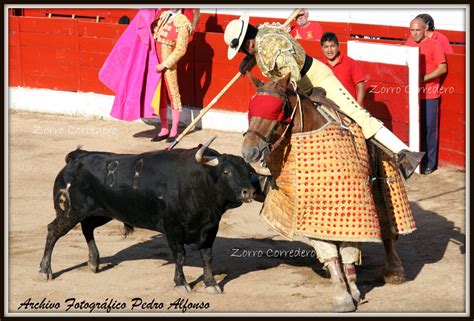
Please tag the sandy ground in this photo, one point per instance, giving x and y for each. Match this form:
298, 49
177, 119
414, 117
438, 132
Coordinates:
249, 262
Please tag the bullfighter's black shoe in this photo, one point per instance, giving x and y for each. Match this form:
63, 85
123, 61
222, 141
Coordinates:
171, 139
427, 171
158, 138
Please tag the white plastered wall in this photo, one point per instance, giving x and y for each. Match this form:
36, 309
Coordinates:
99, 106
395, 55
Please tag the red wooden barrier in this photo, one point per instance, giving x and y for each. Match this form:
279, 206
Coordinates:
452, 126
67, 54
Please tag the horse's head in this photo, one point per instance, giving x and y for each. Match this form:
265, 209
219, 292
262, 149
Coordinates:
266, 112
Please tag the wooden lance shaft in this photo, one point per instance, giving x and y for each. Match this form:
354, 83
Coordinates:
222, 92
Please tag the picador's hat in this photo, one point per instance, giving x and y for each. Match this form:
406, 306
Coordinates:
234, 35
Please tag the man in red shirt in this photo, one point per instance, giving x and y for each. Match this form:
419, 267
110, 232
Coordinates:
346, 69
305, 29
432, 67
435, 35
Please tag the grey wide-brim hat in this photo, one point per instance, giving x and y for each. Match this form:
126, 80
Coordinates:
235, 33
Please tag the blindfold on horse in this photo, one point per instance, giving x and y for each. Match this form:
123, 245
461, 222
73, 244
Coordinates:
278, 107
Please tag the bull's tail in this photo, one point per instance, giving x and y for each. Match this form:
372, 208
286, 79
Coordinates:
75, 154
127, 230
62, 201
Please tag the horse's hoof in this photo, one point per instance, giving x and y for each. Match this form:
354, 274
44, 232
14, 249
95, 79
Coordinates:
45, 276
394, 277
214, 289
343, 303
183, 289
355, 293
94, 267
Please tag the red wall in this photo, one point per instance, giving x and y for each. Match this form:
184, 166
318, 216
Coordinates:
66, 54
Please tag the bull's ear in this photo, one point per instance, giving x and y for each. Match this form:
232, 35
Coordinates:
255, 80
284, 81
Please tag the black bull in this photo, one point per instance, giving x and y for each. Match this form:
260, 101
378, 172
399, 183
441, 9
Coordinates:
181, 193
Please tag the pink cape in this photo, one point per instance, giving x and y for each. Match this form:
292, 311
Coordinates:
129, 70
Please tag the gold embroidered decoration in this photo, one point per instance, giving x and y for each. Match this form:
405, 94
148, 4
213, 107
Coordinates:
277, 52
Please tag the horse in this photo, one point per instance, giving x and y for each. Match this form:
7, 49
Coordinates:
288, 112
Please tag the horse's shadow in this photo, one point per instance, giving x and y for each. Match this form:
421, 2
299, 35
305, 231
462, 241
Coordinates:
426, 245
235, 257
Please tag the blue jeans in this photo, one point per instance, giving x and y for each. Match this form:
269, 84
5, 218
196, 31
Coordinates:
429, 132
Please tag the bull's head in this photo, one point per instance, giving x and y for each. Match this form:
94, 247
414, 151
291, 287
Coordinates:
232, 174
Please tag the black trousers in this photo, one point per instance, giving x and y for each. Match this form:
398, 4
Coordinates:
429, 111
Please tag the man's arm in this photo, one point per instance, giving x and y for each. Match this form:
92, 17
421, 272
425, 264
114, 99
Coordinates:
358, 78
439, 71
360, 92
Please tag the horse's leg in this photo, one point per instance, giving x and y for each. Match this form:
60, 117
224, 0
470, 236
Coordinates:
351, 277
327, 253
393, 271
341, 301
350, 254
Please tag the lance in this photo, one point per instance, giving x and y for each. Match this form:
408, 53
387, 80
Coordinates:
222, 92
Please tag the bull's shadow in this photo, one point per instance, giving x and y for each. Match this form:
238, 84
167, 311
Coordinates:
233, 257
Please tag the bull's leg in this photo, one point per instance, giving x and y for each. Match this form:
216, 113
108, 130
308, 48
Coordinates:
88, 226
56, 229
209, 281
179, 254
206, 254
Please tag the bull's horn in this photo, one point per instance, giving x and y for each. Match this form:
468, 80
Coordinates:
206, 160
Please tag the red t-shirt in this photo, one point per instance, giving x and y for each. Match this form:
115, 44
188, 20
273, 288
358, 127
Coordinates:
348, 71
312, 31
443, 40
439, 37
431, 56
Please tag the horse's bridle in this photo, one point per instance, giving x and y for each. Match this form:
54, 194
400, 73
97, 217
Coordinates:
281, 93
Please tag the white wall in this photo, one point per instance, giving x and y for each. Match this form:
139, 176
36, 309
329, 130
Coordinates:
451, 17
99, 106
